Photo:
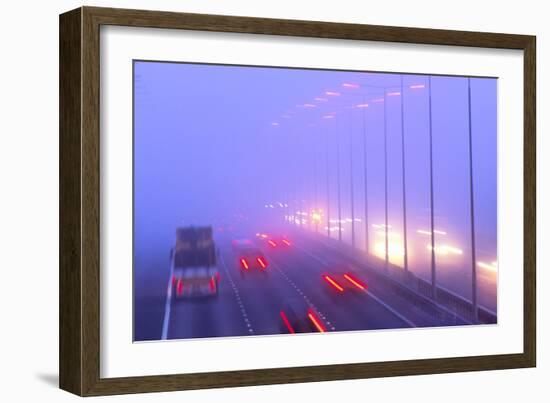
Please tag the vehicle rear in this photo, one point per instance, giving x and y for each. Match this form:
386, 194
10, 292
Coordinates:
342, 282
195, 282
297, 316
251, 258
274, 241
194, 266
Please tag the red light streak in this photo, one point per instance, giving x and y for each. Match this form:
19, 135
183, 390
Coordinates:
179, 286
286, 242
244, 263
316, 322
272, 243
261, 262
286, 322
354, 281
333, 283
212, 284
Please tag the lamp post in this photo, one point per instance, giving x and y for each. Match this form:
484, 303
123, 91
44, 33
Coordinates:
328, 180
433, 271
403, 178
472, 215
364, 105
338, 189
351, 178
386, 243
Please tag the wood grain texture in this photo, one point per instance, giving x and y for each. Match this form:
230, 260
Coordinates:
529, 202
80, 196
70, 271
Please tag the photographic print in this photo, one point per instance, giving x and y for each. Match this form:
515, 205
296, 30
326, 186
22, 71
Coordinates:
284, 201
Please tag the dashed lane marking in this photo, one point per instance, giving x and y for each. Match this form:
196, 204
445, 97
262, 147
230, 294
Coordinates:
168, 304
238, 297
332, 327
385, 305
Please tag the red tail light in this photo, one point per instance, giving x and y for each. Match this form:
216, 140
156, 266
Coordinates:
179, 286
272, 243
353, 280
333, 283
212, 284
287, 323
244, 263
262, 262
316, 322
286, 242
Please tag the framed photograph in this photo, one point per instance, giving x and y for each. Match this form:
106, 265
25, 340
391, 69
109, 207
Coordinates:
249, 201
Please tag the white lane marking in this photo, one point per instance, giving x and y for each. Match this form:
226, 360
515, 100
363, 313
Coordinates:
237, 296
370, 293
167, 306
302, 294
389, 308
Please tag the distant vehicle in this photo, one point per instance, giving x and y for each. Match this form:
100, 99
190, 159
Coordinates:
194, 270
249, 256
274, 241
296, 316
278, 242
341, 282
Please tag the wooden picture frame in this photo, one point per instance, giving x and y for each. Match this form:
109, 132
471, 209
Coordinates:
79, 349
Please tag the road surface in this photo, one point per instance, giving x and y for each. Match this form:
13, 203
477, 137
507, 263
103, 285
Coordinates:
249, 303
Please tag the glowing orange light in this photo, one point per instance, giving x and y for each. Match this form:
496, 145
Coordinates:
316, 216
354, 281
333, 283
244, 263
491, 267
316, 322
261, 262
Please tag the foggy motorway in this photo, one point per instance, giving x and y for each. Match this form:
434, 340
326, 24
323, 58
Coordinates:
378, 190
250, 302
